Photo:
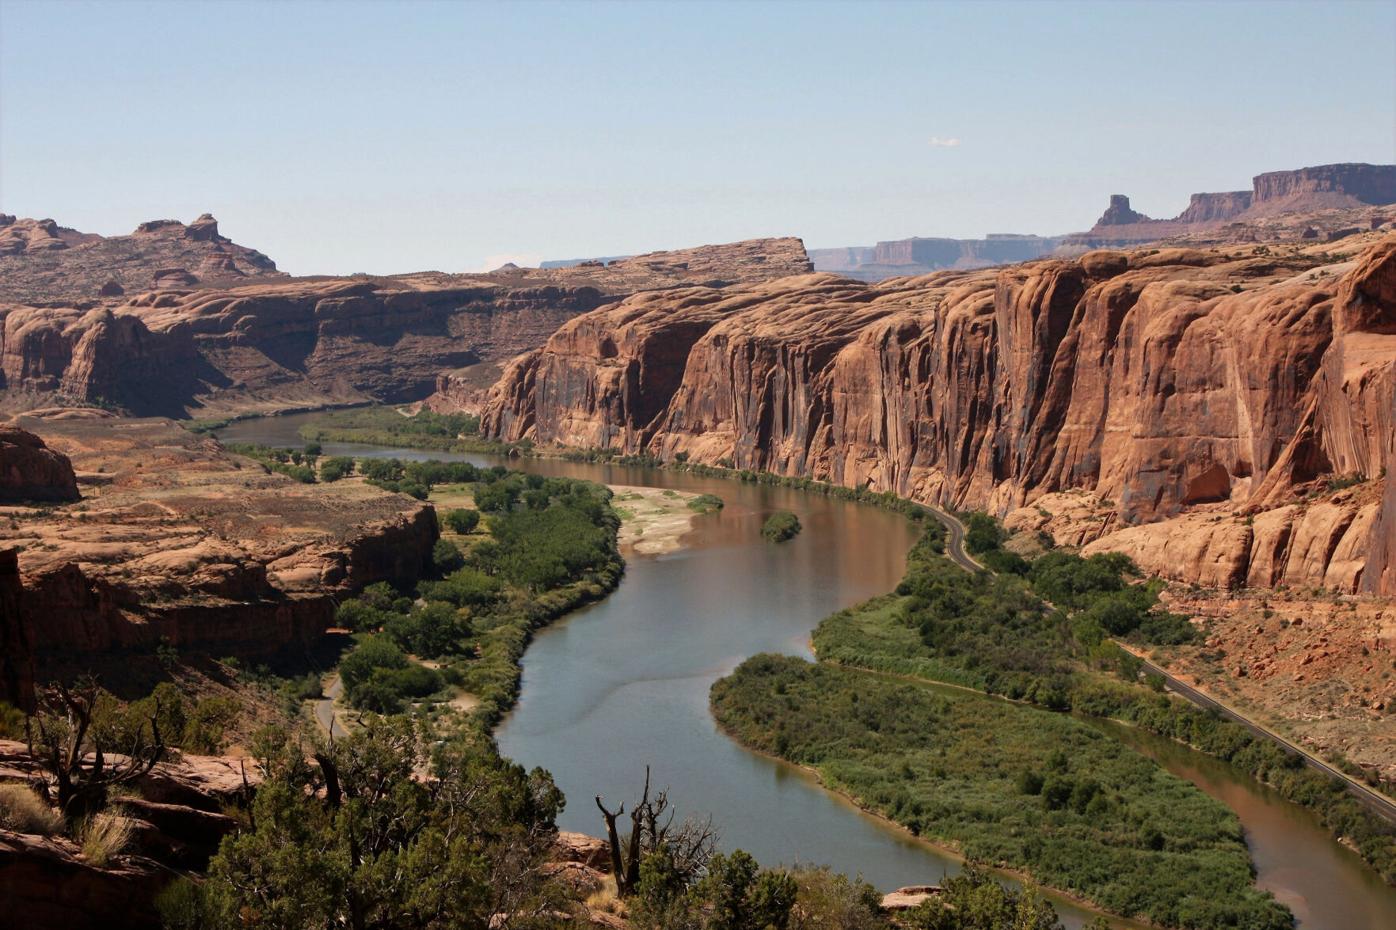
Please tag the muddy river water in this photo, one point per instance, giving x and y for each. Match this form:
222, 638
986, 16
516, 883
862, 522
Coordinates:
624, 684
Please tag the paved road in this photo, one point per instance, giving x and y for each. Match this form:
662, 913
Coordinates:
1379, 803
955, 540
325, 713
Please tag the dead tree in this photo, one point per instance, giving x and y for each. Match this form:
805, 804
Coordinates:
689, 846
61, 738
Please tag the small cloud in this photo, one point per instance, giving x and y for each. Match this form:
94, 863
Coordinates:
523, 260
938, 143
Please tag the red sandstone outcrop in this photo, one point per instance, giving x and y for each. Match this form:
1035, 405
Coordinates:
47, 885
41, 261
1215, 207
31, 471
176, 823
258, 347
178, 540
1325, 188
1165, 381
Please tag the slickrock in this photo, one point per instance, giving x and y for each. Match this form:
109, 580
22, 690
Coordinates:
45, 882
42, 261
176, 822
912, 896
1192, 389
179, 540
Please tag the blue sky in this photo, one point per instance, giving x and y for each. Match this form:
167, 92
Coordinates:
342, 137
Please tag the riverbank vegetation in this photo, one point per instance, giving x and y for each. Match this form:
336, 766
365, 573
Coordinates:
780, 526
544, 547
1046, 635
386, 426
706, 503
1009, 785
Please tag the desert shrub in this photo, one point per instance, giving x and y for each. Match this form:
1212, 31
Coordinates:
781, 526
11, 722
706, 503
975, 900
949, 765
433, 827
373, 653
466, 587
828, 900
360, 616
430, 630
982, 533
23, 811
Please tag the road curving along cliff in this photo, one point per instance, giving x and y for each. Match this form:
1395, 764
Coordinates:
1210, 407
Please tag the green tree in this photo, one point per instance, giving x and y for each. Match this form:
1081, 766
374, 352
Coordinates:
360, 840
462, 521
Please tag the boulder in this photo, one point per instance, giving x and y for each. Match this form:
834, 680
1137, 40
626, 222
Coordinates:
31, 471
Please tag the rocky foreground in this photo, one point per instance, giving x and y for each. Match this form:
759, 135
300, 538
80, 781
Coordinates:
176, 540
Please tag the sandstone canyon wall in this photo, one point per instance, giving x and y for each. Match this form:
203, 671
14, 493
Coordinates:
256, 347
1202, 397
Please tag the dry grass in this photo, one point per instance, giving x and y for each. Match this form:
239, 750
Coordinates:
605, 899
103, 836
23, 811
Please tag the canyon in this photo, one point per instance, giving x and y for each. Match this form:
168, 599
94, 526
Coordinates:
1201, 399
178, 541
1316, 202
171, 339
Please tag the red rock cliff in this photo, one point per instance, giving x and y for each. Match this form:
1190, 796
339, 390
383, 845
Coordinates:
262, 347
1164, 382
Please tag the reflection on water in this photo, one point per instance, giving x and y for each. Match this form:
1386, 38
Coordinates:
624, 683
1323, 882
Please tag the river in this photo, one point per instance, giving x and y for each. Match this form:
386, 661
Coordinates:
624, 683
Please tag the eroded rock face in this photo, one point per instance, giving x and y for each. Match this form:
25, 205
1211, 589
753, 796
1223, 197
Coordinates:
1163, 381
1323, 189
1325, 186
42, 261
47, 885
178, 540
179, 347
31, 471
176, 823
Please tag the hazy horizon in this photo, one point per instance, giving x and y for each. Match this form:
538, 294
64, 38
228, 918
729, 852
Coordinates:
344, 137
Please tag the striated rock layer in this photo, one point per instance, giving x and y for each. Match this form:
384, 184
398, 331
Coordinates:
1175, 387
1346, 188
287, 344
178, 540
